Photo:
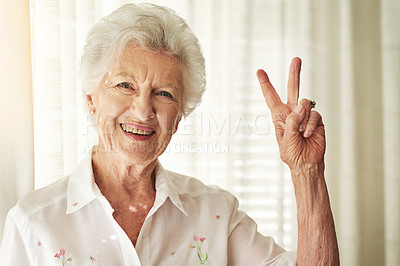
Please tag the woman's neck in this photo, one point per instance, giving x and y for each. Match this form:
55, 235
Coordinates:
118, 178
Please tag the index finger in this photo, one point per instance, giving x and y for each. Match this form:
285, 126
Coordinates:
271, 97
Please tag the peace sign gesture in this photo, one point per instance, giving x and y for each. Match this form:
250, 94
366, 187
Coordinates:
299, 130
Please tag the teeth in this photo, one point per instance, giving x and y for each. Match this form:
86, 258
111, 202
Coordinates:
135, 131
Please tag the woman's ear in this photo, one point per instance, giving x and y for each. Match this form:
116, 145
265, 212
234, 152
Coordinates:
91, 107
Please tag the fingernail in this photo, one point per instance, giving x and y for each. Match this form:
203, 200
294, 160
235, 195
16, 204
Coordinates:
298, 110
307, 133
301, 128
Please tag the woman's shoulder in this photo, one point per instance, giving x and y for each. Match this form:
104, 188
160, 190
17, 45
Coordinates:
41, 198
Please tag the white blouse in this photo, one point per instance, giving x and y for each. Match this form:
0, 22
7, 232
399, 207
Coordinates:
70, 223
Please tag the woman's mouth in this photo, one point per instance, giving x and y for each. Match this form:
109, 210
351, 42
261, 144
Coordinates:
137, 133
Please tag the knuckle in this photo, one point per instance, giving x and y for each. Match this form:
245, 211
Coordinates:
314, 114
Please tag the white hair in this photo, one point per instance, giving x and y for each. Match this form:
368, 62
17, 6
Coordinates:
151, 27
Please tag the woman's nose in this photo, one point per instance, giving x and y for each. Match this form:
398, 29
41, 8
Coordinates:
142, 108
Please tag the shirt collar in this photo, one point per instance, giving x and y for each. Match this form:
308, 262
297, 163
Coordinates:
82, 188
165, 187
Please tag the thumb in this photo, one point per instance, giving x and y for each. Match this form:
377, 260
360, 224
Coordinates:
294, 120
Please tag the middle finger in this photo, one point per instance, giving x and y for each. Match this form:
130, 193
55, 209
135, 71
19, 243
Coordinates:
294, 82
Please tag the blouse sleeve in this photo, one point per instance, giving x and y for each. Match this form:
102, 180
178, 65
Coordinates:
12, 249
246, 246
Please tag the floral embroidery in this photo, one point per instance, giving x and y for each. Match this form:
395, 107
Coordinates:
61, 257
93, 259
75, 204
38, 243
172, 253
218, 217
197, 245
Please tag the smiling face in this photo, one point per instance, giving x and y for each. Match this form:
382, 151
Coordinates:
138, 104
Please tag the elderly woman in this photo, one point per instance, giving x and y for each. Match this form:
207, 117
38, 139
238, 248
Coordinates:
143, 70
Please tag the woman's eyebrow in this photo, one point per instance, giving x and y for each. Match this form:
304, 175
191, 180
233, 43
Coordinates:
165, 85
126, 75
168, 85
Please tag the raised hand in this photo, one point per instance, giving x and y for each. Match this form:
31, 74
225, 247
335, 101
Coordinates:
299, 130
301, 138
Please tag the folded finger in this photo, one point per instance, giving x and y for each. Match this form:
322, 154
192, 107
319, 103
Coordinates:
307, 108
294, 120
314, 121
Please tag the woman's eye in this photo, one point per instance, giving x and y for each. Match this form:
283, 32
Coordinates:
124, 85
165, 94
